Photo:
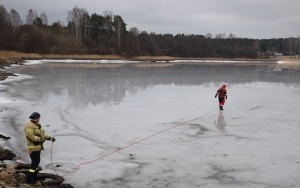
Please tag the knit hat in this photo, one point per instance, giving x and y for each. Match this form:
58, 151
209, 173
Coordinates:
35, 115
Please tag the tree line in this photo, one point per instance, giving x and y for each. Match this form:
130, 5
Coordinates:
106, 34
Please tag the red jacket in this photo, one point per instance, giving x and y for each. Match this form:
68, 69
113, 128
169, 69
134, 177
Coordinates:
222, 92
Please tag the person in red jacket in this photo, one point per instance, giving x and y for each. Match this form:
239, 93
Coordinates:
222, 93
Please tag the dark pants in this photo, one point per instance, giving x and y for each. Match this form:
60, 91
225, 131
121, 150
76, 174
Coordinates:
221, 101
35, 161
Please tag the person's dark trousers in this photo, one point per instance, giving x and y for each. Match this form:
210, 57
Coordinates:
35, 161
221, 102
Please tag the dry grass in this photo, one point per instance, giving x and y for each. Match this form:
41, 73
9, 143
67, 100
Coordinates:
155, 58
289, 62
5, 55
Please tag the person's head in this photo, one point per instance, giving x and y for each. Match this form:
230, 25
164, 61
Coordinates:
35, 116
224, 85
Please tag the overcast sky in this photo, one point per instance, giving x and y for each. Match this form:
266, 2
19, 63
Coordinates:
243, 18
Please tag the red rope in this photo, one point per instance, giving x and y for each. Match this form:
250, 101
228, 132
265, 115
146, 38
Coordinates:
22, 159
117, 150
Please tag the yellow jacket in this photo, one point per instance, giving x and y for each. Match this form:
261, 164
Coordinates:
35, 136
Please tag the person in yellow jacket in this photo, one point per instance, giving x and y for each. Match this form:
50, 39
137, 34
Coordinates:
35, 136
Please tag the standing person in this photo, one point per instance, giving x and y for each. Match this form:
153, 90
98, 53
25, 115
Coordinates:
35, 138
222, 93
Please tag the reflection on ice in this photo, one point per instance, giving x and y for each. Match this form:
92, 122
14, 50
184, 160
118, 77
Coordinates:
105, 85
220, 123
131, 126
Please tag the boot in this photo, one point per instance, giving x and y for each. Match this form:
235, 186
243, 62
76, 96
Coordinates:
221, 108
35, 175
30, 178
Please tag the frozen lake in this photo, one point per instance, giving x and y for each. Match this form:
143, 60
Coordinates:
131, 126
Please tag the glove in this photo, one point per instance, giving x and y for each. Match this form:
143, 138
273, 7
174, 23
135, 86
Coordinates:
52, 139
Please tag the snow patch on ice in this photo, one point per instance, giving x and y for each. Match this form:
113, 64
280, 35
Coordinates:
34, 62
281, 62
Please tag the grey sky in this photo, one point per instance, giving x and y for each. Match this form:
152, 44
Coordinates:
244, 18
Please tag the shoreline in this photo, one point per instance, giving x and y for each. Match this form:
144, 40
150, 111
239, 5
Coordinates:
13, 55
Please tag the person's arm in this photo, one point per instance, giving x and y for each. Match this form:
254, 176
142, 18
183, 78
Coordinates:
29, 131
50, 138
217, 93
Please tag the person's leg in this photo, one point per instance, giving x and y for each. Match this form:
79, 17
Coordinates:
221, 102
35, 161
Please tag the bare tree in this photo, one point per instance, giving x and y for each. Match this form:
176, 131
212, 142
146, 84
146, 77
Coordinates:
209, 36
231, 36
44, 18
16, 20
77, 18
120, 29
220, 36
31, 16
135, 31
108, 15
108, 21
87, 25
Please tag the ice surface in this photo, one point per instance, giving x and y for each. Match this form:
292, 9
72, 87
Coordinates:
161, 127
